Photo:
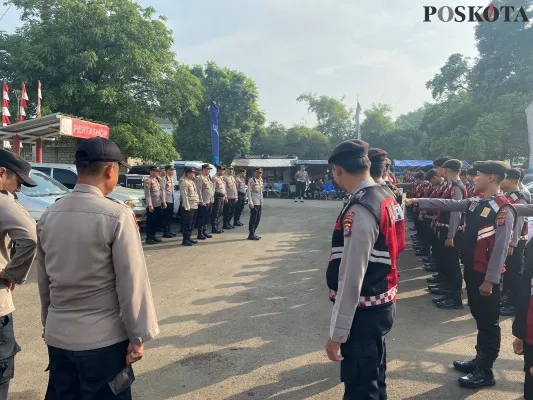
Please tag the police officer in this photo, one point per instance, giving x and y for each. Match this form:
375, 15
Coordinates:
255, 202
204, 188
155, 203
515, 258
378, 170
231, 200
361, 275
16, 226
219, 199
487, 235
301, 178
241, 193
168, 185
189, 202
96, 303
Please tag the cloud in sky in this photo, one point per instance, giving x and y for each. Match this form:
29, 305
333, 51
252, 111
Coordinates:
380, 50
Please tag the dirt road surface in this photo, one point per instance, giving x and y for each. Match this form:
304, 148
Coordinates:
249, 320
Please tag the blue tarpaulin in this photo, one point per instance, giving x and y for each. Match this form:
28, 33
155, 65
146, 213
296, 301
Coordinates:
401, 165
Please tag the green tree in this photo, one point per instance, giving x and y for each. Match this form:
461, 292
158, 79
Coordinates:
378, 122
453, 77
109, 61
335, 119
239, 117
270, 139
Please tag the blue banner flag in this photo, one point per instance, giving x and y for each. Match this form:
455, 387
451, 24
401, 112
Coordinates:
215, 137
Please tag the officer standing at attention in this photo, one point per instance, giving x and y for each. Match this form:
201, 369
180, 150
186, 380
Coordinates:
189, 202
301, 182
168, 185
15, 225
255, 202
241, 194
97, 308
219, 199
362, 275
204, 188
488, 230
155, 203
515, 256
231, 200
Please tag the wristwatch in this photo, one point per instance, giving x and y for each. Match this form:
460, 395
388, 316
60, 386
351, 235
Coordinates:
137, 341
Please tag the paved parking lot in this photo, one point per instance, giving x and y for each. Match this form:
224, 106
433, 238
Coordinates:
249, 320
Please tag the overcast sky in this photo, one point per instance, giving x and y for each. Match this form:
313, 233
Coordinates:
380, 49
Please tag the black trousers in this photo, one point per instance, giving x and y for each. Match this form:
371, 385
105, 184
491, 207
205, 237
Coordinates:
514, 267
166, 217
300, 189
202, 218
153, 222
486, 312
239, 207
188, 222
528, 364
8, 349
216, 210
85, 375
450, 265
364, 366
255, 217
229, 211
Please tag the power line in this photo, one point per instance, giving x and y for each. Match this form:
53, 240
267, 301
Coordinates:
4, 14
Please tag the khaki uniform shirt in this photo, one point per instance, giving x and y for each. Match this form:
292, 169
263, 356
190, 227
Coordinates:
92, 276
189, 195
231, 186
154, 192
241, 185
15, 225
204, 188
255, 192
220, 186
168, 185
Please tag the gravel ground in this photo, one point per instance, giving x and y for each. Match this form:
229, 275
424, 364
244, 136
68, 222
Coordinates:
249, 320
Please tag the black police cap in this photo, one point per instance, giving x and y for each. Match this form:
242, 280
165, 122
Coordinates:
221, 168
18, 165
153, 167
98, 149
471, 171
189, 169
513, 173
377, 155
206, 166
492, 167
431, 174
440, 161
168, 167
453, 164
419, 175
347, 150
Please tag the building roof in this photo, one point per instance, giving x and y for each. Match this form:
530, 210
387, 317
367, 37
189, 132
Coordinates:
264, 162
312, 162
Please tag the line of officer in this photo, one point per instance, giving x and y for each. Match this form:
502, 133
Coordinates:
219, 199
231, 198
205, 191
17, 229
487, 236
167, 183
255, 202
189, 201
361, 275
155, 203
241, 195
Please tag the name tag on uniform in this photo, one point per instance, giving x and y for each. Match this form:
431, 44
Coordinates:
485, 212
399, 212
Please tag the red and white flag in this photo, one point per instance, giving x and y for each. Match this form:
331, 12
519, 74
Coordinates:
39, 99
5, 106
23, 102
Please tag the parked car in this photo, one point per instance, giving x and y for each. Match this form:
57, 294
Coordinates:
37, 199
68, 176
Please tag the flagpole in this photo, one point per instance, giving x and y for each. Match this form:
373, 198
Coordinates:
357, 119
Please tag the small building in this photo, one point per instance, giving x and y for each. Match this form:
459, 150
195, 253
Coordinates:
276, 169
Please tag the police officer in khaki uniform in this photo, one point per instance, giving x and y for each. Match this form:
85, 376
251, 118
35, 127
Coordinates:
168, 185
219, 199
241, 194
255, 202
16, 226
155, 204
229, 205
204, 188
97, 308
189, 203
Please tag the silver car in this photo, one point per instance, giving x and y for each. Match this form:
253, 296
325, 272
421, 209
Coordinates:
37, 199
68, 176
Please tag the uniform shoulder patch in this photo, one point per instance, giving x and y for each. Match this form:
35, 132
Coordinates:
147, 183
116, 201
502, 216
348, 223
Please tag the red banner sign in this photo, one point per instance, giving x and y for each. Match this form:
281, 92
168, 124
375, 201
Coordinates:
83, 129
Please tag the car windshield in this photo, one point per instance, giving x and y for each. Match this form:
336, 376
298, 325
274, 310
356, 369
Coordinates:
46, 186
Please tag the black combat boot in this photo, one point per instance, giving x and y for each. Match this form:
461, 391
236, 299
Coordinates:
208, 236
450, 304
187, 242
252, 236
465, 366
477, 379
201, 235
434, 279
